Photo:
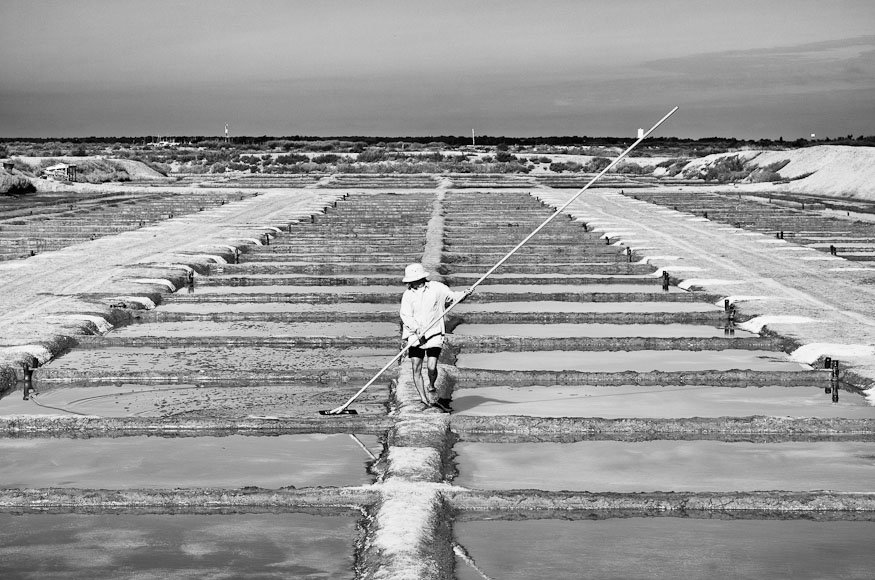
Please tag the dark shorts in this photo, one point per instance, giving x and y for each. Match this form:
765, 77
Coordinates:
416, 352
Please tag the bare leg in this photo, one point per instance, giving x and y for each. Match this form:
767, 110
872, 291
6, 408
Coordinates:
432, 372
416, 365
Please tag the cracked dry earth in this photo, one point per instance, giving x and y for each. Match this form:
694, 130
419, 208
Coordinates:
602, 426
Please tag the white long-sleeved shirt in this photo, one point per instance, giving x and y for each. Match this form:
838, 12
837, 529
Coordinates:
422, 305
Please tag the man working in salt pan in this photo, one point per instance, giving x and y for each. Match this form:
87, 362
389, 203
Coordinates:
424, 303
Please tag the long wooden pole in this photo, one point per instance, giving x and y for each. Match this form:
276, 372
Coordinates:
498, 264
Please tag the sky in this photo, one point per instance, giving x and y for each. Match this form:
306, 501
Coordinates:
742, 68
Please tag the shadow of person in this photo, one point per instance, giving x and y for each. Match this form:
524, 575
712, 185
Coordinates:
466, 402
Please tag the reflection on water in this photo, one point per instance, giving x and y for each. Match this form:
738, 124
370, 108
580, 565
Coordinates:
667, 466
266, 546
667, 548
154, 462
615, 402
559, 306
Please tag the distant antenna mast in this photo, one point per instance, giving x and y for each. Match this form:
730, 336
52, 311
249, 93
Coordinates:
473, 143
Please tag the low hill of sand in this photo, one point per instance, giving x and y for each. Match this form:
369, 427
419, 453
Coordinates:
93, 170
832, 170
14, 182
135, 169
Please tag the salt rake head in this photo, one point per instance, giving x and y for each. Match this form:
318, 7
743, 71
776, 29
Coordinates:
339, 411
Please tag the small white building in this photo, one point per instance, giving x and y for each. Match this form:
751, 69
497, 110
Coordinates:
63, 171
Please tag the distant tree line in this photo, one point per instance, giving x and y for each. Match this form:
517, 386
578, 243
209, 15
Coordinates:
457, 141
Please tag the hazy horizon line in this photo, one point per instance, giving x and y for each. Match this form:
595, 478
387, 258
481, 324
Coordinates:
421, 138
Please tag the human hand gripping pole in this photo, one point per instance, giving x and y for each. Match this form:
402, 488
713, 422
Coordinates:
343, 409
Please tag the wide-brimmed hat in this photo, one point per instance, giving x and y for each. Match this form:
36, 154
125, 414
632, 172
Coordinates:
414, 272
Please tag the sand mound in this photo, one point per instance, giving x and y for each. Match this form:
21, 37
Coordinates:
14, 183
136, 170
833, 170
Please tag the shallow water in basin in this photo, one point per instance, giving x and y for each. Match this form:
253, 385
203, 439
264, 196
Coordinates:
596, 330
619, 278
656, 402
250, 398
558, 306
153, 462
256, 328
639, 360
104, 547
538, 306
291, 289
255, 359
666, 548
601, 466
581, 288
218, 307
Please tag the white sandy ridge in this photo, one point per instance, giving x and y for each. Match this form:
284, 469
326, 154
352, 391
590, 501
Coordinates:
831, 170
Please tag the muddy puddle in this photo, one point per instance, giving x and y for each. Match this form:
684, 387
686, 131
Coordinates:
639, 361
254, 359
666, 548
559, 306
602, 466
98, 547
565, 330
153, 462
255, 328
656, 402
